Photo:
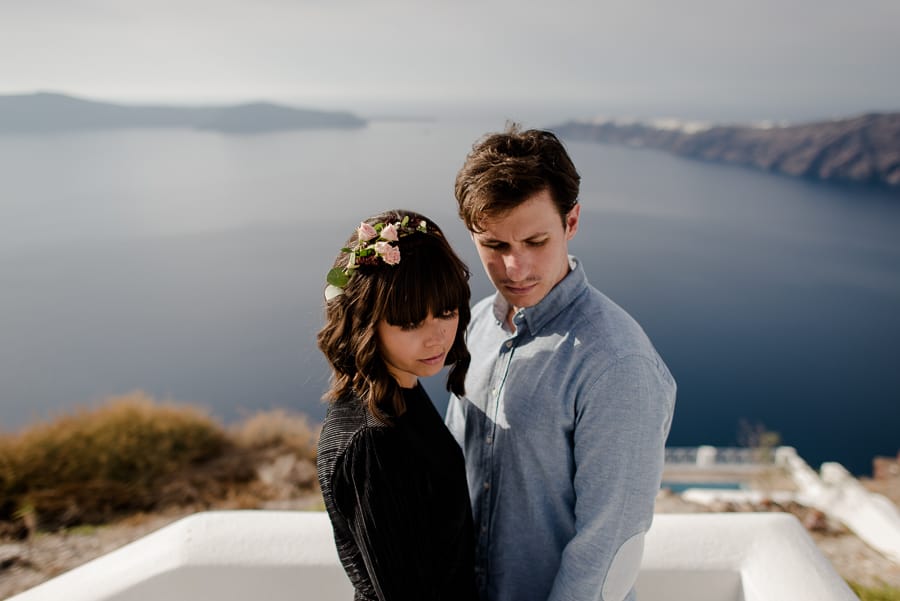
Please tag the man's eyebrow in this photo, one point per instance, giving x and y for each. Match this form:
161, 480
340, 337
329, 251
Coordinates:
484, 239
481, 238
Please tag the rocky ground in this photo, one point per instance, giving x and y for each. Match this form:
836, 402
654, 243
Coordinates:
26, 563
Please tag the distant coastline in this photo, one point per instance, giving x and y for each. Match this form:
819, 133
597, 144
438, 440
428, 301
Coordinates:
44, 112
858, 150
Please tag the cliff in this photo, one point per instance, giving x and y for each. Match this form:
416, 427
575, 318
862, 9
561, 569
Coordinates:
864, 149
49, 112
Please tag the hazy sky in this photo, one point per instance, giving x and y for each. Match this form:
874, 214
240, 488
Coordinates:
692, 58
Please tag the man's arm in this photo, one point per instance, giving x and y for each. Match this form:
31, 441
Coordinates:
621, 425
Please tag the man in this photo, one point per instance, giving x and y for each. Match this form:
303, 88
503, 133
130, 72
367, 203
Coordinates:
567, 403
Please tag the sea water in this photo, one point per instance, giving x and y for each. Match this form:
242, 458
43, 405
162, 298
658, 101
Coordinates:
190, 265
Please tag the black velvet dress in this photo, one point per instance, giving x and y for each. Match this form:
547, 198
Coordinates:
398, 502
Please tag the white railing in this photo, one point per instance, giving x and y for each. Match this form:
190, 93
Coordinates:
290, 556
708, 456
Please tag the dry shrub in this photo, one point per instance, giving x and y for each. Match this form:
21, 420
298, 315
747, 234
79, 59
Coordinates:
206, 485
86, 465
133, 454
277, 429
877, 593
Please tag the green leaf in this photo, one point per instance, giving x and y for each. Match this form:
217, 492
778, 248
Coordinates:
337, 277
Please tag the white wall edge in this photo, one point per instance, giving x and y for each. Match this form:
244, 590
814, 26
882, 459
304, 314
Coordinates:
287, 555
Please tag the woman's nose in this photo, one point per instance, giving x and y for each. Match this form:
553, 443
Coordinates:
436, 328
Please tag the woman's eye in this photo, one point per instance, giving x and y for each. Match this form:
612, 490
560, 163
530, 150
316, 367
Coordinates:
410, 326
449, 314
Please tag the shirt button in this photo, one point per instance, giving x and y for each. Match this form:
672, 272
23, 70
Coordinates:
487, 485
489, 440
484, 528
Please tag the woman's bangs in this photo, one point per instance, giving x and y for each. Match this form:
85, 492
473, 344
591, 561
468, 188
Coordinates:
421, 287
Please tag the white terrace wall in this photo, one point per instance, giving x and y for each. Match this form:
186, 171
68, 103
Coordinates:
834, 491
290, 556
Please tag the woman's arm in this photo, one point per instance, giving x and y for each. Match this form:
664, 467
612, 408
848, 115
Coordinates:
383, 492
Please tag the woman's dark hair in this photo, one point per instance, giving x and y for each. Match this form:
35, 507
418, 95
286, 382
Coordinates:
429, 279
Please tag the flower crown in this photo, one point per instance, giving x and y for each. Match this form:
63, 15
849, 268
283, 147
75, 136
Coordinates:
374, 243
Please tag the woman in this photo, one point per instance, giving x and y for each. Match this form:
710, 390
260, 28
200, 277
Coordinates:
392, 476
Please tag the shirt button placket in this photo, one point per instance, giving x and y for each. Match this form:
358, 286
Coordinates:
494, 402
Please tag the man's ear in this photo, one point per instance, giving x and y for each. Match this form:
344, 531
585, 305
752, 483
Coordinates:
572, 221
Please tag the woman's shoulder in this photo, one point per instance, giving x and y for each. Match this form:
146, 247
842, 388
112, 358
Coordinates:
373, 449
349, 411
345, 419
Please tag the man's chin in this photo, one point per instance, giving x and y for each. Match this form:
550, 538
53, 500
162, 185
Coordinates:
521, 301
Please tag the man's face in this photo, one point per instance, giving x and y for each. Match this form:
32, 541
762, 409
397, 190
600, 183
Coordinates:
525, 251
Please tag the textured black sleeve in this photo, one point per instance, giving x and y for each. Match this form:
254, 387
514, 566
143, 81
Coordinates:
383, 493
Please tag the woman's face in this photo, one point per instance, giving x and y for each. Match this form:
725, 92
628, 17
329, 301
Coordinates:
417, 349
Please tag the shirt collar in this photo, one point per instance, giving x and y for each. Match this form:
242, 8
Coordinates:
559, 297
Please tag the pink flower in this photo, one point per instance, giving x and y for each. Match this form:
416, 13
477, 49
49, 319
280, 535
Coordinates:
388, 253
389, 233
392, 256
366, 231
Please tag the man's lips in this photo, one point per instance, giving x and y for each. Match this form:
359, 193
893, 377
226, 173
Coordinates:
520, 289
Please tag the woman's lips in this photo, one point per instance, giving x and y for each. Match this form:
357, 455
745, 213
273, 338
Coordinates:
437, 359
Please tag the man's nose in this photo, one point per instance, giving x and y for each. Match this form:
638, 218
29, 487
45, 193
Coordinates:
515, 266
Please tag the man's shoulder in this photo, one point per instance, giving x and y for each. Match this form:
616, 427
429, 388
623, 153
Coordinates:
613, 337
597, 320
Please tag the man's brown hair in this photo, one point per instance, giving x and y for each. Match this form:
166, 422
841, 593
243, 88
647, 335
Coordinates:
505, 169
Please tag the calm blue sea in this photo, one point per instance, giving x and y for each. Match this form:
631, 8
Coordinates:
190, 265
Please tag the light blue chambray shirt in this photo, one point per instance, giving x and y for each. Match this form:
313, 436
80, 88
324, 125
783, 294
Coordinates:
563, 427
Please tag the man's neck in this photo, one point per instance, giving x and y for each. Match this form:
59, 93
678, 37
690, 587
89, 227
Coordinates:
509, 318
